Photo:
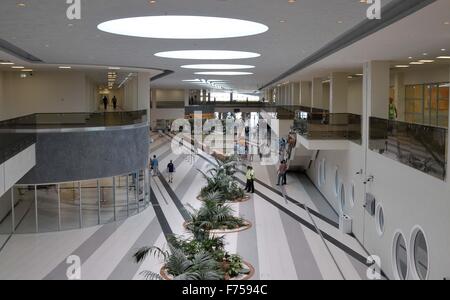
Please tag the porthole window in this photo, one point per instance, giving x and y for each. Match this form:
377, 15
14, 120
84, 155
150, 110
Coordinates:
336, 182
400, 256
352, 195
342, 198
419, 254
379, 215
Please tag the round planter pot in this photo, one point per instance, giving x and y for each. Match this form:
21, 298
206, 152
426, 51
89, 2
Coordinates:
247, 226
166, 276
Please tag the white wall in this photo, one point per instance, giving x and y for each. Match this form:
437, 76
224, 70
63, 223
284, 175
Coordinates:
355, 96
2, 107
43, 92
161, 95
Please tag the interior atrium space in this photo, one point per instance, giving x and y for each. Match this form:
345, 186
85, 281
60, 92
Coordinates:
258, 141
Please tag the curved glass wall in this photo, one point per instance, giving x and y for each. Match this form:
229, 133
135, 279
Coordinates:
74, 205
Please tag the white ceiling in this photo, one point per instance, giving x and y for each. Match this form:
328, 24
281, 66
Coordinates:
42, 29
422, 32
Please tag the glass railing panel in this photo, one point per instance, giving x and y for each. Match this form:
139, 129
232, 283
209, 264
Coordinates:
6, 216
47, 207
323, 126
421, 147
132, 195
90, 203
107, 210
25, 210
12, 144
70, 205
75, 120
121, 197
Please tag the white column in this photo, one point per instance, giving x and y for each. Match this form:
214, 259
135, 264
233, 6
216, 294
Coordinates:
378, 73
316, 99
338, 92
296, 93
305, 93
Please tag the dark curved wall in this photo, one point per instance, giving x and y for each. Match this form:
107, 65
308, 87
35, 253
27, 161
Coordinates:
62, 157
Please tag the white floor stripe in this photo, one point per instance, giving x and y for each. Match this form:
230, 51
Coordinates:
105, 259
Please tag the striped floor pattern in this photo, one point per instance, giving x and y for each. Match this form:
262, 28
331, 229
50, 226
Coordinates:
294, 236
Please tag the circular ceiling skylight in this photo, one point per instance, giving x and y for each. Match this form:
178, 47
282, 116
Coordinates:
182, 27
225, 73
218, 67
207, 54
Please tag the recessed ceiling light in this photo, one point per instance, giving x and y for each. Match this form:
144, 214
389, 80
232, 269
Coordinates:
27, 70
182, 27
410, 57
17, 67
225, 73
6, 63
447, 23
443, 49
426, 60
207, 54
21, 4
443, 57
425, 54
402, 66
65, 67
114, 68
217, 67
416, 63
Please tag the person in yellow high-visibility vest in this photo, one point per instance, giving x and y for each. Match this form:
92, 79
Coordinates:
250, 175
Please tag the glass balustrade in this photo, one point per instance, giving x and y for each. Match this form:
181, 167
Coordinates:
74, 120
328, 126
421, 147
74, 205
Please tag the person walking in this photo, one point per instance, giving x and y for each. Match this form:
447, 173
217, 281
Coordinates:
171, 170
105, 102
250, 175
114, 102
282, 170
155, 166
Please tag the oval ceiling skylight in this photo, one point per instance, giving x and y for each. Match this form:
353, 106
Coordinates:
207, 54
225, 73
217, 67
182, 27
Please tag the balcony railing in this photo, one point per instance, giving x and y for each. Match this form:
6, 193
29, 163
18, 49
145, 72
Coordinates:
12, 144
421, 147
329, 126
74, 120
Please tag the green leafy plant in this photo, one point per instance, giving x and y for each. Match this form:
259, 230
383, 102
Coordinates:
200, 266
214, 215
200, 257
220, 180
